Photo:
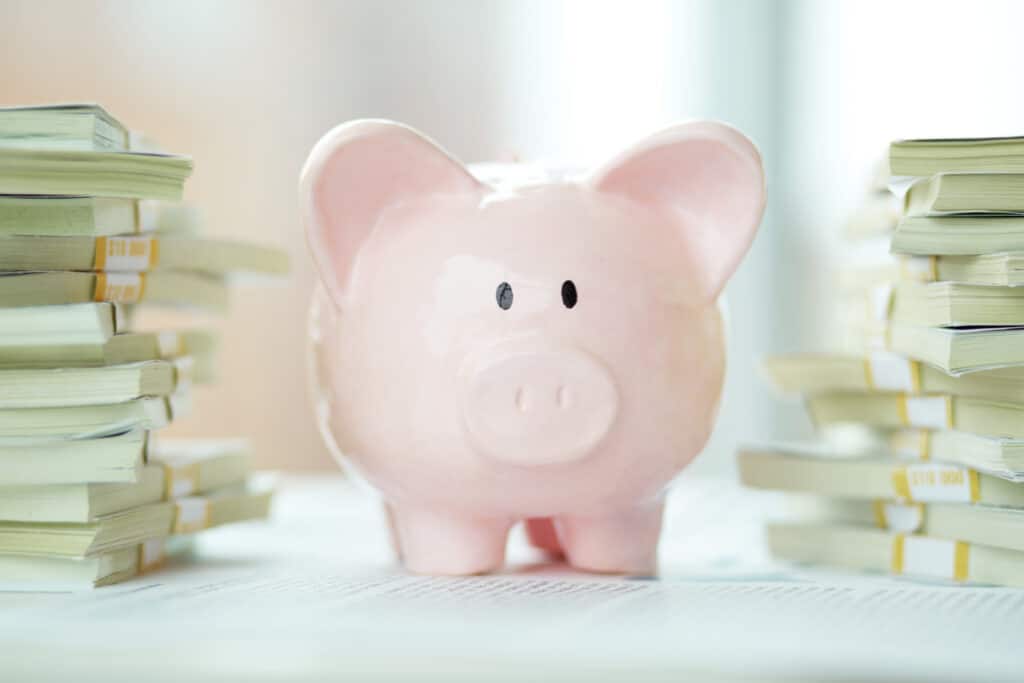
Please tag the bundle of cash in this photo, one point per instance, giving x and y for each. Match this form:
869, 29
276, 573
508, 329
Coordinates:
92, 228
932, 372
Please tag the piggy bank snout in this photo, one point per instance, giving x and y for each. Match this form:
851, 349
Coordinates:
536, 406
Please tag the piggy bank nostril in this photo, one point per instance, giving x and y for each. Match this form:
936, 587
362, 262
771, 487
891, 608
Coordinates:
563, 397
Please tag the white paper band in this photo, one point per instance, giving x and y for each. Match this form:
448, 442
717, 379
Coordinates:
182, 482
933, 483
892, 372
183, 366
193, 514
928, 412
148, 215
881, 302
181, 403
151, 553
920, 268
121, 320
904, 518
913, 444
170, 344
924, 556
156, 414
876, 339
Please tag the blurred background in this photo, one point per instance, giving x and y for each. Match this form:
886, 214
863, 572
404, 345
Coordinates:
247, 87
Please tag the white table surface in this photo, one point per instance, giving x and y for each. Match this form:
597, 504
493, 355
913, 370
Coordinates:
313, 594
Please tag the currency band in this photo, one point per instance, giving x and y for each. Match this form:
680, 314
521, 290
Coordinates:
931, 557
152, 554
936, 483
904, 518
191, 514
928, 412
881, 302
170, 344
121, 288
920, 268
128, 254
180, 480
912, 443
887, 371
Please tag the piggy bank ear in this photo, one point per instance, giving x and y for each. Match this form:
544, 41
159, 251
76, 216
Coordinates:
354, 174
707, 179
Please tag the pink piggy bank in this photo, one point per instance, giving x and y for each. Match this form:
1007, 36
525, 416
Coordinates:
543, 352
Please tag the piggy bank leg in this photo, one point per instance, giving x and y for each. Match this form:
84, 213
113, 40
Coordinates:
442, 542
396, 547
542, 535
620, 542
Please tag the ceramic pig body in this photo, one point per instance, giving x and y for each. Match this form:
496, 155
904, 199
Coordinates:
550, 352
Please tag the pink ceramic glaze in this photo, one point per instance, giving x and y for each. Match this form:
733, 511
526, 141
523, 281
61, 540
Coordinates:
549, 352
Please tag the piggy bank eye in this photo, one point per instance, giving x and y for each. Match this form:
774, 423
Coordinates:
504, 295
569, 295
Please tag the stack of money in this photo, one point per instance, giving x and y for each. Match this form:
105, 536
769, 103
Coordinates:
91, 228
938, 381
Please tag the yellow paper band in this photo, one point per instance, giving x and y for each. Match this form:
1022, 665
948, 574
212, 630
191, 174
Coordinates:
141, 563
896, 561
901, 484
100, 260
975, 484
878, 506
960, 553
142, 287
901, 409
925, 445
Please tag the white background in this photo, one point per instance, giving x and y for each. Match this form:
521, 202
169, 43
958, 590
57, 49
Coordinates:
248, 87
